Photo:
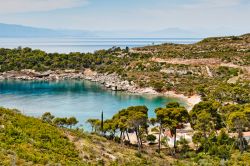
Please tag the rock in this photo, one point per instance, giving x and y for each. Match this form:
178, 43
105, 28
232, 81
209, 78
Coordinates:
28, 71
70, 71
45, 74
110, 81
114, 88
110, 156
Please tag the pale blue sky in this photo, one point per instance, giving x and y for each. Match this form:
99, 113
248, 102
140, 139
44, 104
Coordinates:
209, 15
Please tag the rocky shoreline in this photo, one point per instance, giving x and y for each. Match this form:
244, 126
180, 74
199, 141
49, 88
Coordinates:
109, 81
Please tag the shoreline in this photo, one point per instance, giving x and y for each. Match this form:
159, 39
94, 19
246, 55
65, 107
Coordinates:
190, 101
110, 81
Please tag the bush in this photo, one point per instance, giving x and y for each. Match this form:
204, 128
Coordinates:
158, 86
151, 138
138, 154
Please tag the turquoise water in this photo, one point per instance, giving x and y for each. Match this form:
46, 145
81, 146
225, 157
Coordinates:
82, 99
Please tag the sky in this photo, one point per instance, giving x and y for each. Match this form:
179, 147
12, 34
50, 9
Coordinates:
123, 15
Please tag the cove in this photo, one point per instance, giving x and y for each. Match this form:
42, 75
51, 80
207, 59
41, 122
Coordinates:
79, 98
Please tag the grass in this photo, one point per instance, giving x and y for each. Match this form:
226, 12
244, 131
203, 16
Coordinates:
29, 141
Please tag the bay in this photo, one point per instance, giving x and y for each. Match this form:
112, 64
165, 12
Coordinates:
79, 98
82, 99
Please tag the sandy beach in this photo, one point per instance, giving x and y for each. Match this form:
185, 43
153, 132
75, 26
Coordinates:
190, 100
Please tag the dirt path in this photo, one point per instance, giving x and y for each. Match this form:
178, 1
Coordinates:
78, 144
99, 149
204, 61
209, 73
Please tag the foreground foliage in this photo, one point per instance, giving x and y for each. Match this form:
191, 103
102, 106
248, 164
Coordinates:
30, 141
217, 136
25, 139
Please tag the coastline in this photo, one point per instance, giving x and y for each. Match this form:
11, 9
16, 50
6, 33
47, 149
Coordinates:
110, 81
189, 100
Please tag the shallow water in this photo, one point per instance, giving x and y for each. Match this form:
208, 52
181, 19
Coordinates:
82, 99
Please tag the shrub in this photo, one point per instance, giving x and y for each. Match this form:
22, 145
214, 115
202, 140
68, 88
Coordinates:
151, 138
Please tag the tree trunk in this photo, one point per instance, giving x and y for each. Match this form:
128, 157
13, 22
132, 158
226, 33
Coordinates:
127, 135
121, 140
159, 139
240, 137
141, 142
113, 135
138, 140
174, 138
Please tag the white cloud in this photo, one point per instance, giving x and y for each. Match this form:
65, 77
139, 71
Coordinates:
23, 6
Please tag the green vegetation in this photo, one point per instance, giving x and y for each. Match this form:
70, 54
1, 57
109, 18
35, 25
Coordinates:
133, 119
30, 141
171, 117
211, 142
25, 140
151, 138
225, 48
216, 68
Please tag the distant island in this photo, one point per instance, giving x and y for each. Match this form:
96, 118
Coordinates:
12, 30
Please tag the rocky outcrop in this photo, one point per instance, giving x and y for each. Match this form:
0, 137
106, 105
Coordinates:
113, 81
110, 81
28, 74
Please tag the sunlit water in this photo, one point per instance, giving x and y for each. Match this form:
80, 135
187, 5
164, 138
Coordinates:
80, 44
82, 99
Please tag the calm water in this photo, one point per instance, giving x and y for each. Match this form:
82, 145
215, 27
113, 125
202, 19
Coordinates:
78, 44
82, 99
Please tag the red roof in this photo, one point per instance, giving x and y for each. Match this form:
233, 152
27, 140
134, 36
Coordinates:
168, 134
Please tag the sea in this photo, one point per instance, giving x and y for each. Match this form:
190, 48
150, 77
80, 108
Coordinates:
81, 44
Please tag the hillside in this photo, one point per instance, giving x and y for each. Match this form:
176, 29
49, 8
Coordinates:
29, 141
210, 63
234, 49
